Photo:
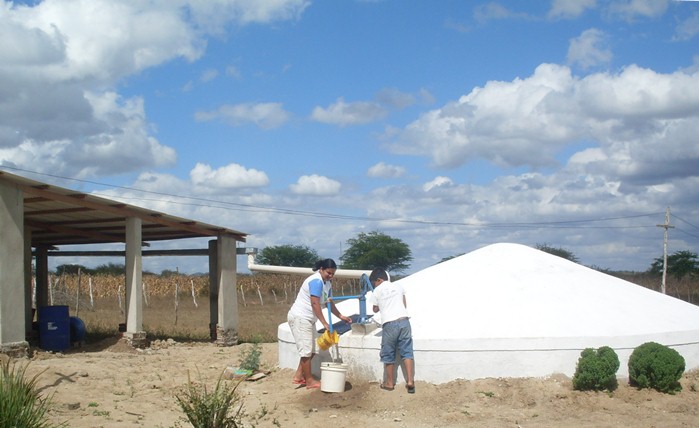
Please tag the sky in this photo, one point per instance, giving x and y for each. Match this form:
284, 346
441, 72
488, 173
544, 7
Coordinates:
450, 125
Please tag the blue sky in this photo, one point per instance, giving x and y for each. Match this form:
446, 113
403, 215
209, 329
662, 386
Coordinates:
450, 125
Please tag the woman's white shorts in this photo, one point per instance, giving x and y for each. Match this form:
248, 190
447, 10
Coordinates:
303, 331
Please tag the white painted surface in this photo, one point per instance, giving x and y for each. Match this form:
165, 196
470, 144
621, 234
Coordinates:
508, 310
339, 273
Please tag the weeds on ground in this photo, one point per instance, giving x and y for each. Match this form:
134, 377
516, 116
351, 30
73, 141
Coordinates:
20, 402
220, 407
250, 358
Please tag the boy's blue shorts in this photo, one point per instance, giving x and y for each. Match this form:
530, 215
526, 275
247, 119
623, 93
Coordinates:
397, 335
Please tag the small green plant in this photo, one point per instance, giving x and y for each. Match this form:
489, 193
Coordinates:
656, 366
596, 370
20, 402
220, 407
250, 357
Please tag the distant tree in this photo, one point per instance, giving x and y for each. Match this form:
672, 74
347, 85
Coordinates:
449, 258
168, 272
288, 255
679, 264
110, 269
376, 250
560, 252
71, 269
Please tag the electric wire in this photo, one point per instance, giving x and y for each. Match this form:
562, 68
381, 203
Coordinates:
236, 206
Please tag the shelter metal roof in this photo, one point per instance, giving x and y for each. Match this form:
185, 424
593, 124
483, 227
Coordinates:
60, 216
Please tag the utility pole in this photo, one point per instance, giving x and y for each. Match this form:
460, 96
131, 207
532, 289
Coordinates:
665, 226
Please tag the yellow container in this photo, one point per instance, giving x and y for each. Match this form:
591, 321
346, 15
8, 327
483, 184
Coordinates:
327, 339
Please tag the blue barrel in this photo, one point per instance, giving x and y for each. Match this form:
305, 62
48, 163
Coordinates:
77, 330
54, 328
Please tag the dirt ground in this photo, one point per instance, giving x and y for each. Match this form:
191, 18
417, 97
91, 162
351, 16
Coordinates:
109, 384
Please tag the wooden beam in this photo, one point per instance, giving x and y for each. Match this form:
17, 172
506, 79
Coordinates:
73, 231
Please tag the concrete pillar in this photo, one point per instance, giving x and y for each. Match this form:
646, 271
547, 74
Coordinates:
134, 284
227, 329
12, 320
42, 276
213, 288
28, 301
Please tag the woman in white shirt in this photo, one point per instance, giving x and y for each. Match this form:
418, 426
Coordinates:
313, 296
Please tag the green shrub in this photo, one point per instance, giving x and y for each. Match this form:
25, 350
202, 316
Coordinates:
656, 366
250, 358
20, 402
220, 407
596, 370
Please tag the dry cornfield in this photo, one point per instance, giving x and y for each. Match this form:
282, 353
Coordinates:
178, 305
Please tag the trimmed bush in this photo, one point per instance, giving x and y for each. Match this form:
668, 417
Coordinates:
596, 370
656, 366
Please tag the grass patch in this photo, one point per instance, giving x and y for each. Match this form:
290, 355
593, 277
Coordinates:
220, 407
21, 405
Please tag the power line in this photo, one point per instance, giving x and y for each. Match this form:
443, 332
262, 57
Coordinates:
685, 221
226, 205
687, 233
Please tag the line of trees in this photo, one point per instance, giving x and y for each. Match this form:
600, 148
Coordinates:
379, 250
376, 249
365, 251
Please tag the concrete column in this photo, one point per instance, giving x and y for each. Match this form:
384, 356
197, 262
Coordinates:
227, 329
12, 320
42, 277
28, 301
213, 288
134, 284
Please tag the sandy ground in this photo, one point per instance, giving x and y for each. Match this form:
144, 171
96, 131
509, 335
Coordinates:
112, 385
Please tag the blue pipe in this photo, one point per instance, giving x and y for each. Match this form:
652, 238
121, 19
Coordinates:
366, 287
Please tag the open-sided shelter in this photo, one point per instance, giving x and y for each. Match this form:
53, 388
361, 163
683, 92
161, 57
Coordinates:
37, 218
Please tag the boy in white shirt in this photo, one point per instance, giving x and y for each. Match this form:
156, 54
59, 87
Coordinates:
397, 336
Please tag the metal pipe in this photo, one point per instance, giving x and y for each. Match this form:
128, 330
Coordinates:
339, 273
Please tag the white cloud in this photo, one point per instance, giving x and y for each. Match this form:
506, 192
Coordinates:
383, 170
316, 185
393, 98
437, 182
84, 145
649, 117
687, 29
589, 49
510, 124
233, 71
213, 16
231, 176
70, 54
631, 9
263, 115
494, 11
100, 40
343, 114
569, 9
209, 75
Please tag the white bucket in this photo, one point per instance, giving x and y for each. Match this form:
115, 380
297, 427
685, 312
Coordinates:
332, 377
